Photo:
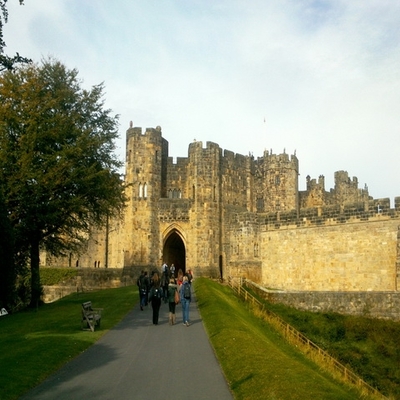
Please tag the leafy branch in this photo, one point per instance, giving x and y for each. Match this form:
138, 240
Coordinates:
8, 63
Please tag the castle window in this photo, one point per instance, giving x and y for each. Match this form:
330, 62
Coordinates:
260, 204
256, 250
157, 156
130, 156
277, 180
170, 194
193, 192
145, 190
140, 190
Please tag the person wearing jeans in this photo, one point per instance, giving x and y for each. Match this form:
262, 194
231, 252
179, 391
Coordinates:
186, 297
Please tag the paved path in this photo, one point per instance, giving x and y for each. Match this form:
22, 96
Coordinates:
138, 360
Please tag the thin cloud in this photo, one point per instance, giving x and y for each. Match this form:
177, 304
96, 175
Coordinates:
319, 77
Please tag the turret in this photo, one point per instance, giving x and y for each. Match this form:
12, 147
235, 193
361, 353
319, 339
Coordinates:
280, 182
146, 161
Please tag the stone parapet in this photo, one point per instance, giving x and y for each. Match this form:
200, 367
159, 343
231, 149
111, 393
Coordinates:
89, 279
329, 215
368, 304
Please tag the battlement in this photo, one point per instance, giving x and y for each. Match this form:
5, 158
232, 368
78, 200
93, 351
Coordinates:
342, 177
198, 146
372, 210
150, 133
312, 184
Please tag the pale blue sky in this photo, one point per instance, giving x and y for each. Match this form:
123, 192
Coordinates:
324, 75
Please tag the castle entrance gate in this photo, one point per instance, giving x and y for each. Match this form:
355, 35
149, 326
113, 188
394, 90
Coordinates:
174, 251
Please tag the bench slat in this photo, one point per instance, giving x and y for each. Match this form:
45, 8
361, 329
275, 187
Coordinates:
91, 316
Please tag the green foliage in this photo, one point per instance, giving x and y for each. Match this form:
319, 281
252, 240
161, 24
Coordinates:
257, 362
369, 347
36, 344
57, 162
53, 276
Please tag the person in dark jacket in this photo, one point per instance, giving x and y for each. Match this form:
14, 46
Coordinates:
155, 296
143, 284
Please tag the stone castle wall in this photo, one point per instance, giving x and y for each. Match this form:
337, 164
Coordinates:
367, 304
352, 256
345, 250
230, 214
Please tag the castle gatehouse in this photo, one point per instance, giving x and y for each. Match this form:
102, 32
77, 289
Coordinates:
220, 214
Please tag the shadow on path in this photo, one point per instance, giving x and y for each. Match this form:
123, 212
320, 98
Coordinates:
139, 360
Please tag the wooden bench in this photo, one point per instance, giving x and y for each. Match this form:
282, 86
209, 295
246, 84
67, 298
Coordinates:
91, 317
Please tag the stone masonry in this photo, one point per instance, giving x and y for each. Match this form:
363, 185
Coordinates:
220, 214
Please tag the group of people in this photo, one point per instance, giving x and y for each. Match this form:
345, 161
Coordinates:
168, 289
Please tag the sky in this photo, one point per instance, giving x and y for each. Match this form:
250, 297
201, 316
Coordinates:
317, 78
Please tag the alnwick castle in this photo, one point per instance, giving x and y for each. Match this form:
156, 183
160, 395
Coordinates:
223, 214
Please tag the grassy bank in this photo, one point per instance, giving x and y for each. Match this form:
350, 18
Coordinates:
256, 360
35, 344
369, 347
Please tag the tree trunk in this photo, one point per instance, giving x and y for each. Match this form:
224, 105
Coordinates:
36, 288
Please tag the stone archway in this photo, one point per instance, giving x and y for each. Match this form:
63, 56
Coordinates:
174, 251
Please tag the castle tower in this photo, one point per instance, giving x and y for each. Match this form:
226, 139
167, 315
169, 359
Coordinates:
279, 184
204, 182
315, 195
346, 190
146, 159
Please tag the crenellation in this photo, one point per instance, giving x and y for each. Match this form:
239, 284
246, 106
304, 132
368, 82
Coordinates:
221, 213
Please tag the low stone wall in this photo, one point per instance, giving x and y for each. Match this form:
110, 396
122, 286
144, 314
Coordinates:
89, 279
368, 304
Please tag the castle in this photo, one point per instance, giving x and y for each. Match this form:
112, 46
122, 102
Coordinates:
219, 213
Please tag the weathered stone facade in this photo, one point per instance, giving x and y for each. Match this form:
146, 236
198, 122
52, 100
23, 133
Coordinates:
220, 213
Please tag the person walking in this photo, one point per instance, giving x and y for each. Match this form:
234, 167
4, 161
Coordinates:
172, 289
139, 283
186, 298
164, 285
144, 289
155, 298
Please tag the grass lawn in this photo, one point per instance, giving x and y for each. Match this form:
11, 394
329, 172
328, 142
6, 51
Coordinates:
367, 346
34, 344
256, 360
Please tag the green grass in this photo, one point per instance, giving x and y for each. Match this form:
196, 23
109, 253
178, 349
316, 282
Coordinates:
34, 344
369, 347
256, 360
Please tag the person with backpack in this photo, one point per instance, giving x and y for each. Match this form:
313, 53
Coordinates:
186, 298
155, 296
172, 289
143, 284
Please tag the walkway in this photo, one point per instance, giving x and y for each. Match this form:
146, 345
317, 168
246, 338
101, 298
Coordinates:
138, 360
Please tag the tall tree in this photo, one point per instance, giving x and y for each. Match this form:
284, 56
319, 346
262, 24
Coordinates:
7, 266
57, 160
